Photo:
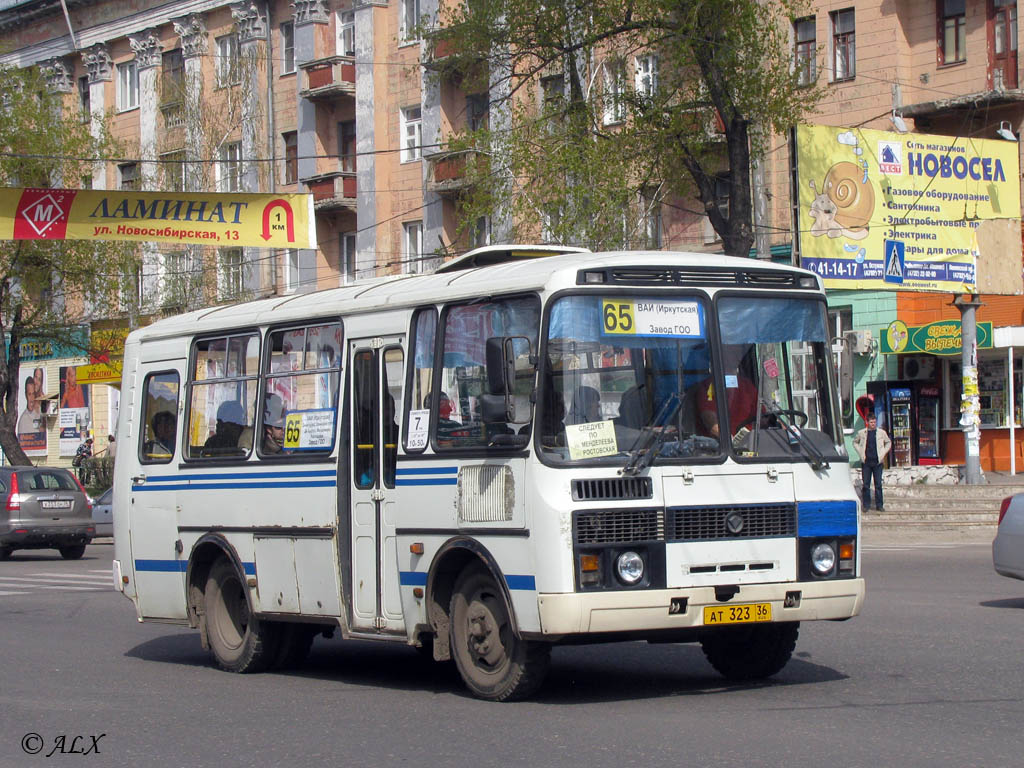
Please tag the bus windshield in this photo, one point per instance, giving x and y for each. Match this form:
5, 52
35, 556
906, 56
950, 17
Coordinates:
629, 371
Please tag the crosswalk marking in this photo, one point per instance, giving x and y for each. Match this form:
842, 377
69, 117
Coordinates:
63, 576
2, 592
908, 547
47, 580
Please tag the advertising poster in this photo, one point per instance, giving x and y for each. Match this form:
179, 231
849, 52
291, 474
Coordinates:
71, 435
31, 419
901, 211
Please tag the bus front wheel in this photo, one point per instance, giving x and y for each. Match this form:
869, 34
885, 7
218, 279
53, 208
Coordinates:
750, 652
238, 640
493, 661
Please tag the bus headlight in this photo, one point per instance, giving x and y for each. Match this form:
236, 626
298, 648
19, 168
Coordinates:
823, 558
629, 567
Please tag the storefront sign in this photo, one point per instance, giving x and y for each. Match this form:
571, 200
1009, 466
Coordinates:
100, 373
939, 338
902, 211
222, 220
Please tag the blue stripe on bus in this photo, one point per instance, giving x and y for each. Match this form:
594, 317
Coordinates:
222, 486
429, 481
179, 566
238, 476
419, 579
827, 518
427, 471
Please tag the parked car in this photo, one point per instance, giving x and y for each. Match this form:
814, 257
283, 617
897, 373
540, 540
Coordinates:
44, 508
102, 513
1008, 547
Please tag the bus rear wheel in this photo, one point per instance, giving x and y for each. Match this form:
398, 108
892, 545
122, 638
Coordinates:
494, 662
750, 652
239, 641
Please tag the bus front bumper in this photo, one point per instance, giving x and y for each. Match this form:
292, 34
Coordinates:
666, 609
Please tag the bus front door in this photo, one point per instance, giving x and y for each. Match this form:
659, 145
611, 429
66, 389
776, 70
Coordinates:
376, 380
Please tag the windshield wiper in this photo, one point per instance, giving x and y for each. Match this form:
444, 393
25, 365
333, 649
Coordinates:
652, 438
796, 436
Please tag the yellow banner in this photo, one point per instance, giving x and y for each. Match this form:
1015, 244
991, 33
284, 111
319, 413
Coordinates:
900, 211
222, 220
100, 373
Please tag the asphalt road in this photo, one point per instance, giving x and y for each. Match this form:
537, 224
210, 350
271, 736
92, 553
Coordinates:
929, 675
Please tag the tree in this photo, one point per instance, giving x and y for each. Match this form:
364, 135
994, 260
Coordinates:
48, 289
639, 100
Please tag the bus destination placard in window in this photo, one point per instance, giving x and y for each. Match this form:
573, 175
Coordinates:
309, 430
652, 317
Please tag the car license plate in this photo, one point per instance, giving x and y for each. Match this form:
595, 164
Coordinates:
59, 504
737, 614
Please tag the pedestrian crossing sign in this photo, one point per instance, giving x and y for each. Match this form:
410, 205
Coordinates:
894, 261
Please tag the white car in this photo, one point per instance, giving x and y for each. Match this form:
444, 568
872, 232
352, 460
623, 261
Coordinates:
1008, 547
102, 513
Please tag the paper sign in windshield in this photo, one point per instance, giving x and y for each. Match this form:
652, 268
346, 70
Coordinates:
419, 420
588, 441
309, 430
644, 317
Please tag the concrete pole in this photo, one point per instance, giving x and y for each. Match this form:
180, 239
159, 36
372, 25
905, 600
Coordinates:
970, 405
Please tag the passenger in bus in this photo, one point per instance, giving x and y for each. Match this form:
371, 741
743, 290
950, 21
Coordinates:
273, 425
586, 406
161, 445
230, 425
553, 428
633, 411
741, 401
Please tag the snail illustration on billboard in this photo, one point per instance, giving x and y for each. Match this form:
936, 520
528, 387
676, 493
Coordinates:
845, 203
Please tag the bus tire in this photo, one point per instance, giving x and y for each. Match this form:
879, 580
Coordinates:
751, 652
239, 641
494, 663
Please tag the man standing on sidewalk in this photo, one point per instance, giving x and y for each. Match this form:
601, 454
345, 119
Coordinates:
873, 445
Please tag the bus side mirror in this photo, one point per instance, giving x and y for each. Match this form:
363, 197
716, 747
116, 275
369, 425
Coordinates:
501, 370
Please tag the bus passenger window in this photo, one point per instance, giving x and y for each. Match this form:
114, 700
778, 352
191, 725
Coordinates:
222, 397
160, 418
301, 382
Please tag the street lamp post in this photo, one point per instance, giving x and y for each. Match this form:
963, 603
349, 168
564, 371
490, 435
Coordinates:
970, 405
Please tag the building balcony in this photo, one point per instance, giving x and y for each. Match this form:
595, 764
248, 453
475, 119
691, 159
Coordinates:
329, 78
923, 111
333, 191
446, 171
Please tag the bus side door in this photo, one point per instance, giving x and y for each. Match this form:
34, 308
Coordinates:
377, 377
152, 506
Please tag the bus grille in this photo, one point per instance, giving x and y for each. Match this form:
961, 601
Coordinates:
624, 526
754, 522
612, 489
618, 526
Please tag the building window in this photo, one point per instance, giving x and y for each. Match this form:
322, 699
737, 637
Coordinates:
347, 33
412, 247
410, 18
1003, 46
805, 41
723, 186
230, 274
228, 69
952, 31
290, 270
128, 176
412, 134
476, 111
84, 102
651, 215
348, 257
614, 103
844, 48
347, 145
647, 76
172, 78
229, 169
173, 166
291, 157
480, 232
288, 47
127, 86
552, 92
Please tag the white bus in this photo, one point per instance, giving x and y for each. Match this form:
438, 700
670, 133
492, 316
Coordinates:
527, 448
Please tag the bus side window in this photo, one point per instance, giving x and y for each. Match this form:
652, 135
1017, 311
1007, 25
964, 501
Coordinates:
159, 418
364, 421
421, 373
391, 393
222, 397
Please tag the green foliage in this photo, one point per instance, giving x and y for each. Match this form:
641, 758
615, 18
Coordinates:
566, 147
49, 287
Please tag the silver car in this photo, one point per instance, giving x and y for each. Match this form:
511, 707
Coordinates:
44, 508
102, 513
1008, 547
